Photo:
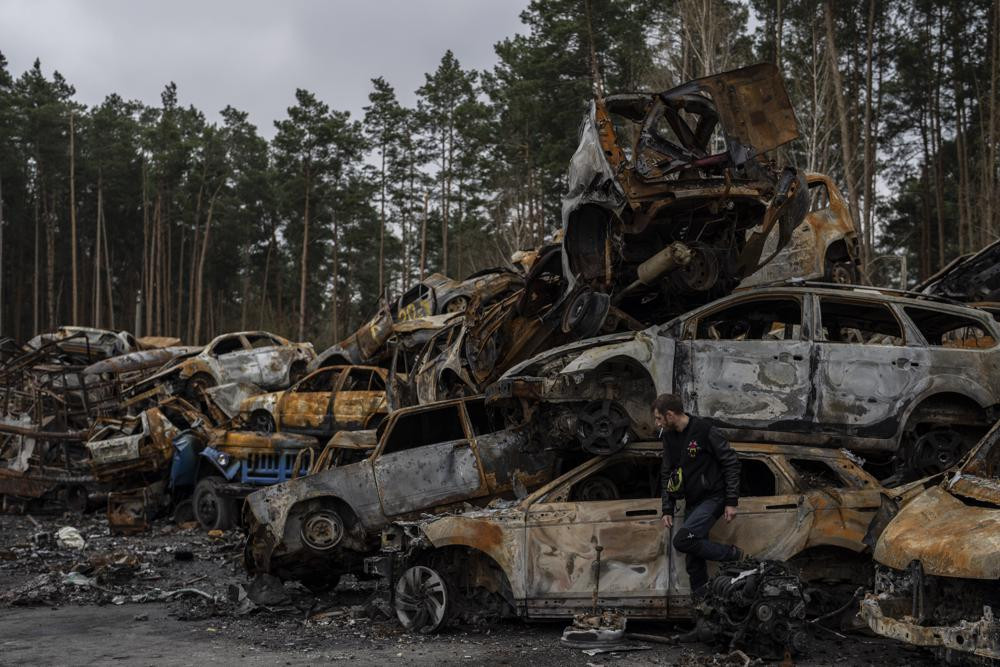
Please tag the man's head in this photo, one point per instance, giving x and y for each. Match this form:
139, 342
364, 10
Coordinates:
668, 410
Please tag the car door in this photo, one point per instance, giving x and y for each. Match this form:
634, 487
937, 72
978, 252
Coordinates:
425, 459
748, 362
305, 407
864, 366
272, 357
602, 507
236, 360
769, 521
359, 397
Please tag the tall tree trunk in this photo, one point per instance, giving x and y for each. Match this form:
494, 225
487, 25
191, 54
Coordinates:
50, 260
423, 240
97, 254
263, 288
193, 270
146, 241
381, 230
75, 309
845, 133
202, 254
107, 272
336, 276
936, 141
596, 84
38, 278
869, 166
304, 267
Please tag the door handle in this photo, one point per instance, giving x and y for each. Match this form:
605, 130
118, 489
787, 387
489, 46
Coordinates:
903, 362
785, 356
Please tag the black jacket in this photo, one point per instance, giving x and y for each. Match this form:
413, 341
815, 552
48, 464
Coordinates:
698, 463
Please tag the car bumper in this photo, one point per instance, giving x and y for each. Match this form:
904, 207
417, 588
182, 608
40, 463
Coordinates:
981, 638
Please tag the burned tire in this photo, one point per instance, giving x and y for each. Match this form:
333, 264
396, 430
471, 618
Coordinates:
213, 511
261, 421
422, 600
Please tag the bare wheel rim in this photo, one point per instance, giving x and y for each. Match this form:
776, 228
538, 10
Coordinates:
323, 530
597, 488
421, 599
263, 422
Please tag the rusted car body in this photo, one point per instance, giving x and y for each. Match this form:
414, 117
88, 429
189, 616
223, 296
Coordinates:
972, 278
427, 457
327, 400
824, 247
806, 505
256, 357
855, 367
437, 294
681, 215
87, 344
939, 583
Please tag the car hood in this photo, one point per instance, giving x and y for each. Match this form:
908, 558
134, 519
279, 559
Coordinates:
949, 537
532, 366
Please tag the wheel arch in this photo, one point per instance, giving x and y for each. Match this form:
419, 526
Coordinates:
468, 550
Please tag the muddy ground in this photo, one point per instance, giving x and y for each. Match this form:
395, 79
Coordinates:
178, 596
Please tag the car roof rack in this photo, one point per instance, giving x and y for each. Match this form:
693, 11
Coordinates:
889, 291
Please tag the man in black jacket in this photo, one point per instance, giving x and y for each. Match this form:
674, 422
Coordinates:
700, 467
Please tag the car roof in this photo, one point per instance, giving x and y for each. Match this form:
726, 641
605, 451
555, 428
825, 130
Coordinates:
860, 291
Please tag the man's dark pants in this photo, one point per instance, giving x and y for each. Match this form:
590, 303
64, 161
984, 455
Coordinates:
692, 540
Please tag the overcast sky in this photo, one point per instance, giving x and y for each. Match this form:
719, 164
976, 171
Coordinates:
250, 54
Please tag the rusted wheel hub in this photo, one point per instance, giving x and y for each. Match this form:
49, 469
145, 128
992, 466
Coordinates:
422, 600
601, 427
936, 450
322, 530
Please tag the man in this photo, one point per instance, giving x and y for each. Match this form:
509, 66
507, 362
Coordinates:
699, 466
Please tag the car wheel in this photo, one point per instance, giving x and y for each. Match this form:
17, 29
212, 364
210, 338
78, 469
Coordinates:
457, 305
213, 511
322, 530
262, 422
935, 451
422, 601
842, 273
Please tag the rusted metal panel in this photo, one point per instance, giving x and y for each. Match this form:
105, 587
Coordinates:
980, 637
130, 512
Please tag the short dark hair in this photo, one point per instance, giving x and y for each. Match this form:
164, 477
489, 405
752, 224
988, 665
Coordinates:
668, 402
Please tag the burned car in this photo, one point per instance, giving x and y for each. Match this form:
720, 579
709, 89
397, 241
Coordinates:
939, 563
871, 370
536, 558
428, 457
328, 400
823, 248
671, 197
437, 293
257, 357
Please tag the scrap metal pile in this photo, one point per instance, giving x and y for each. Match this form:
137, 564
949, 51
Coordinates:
485, 447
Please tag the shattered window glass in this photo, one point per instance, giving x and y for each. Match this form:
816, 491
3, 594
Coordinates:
858, 323
426, 427
758, 319
948, 329
228, 345
634, 478
756, 479
816, 474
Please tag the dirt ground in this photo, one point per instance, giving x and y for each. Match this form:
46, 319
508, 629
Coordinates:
179, 596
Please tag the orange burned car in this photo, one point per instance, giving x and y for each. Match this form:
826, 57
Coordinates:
328, 400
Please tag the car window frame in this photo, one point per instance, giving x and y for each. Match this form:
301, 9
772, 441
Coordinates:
689, 327
985, 323
243, 341
817, 333
394, 418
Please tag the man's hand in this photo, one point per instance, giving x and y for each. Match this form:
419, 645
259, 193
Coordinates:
729, 513
668, 520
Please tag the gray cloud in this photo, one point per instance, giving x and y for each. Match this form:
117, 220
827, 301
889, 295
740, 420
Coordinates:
250, 54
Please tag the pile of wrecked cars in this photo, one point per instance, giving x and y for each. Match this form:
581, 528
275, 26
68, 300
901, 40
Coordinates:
485, 447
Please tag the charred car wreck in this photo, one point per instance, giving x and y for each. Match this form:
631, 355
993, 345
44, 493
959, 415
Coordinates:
939, 563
